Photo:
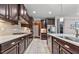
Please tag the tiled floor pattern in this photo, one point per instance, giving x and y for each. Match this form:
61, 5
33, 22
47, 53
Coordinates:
37, 46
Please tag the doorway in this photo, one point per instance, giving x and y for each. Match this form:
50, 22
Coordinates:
36, 29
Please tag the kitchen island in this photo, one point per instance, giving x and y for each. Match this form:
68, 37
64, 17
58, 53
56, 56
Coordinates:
15, 43
63, 43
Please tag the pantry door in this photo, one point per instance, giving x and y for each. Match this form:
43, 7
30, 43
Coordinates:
35, 31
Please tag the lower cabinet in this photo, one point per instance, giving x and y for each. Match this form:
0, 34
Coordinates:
12, 50
21, 47
64, 51
16, 46
55, 47
58, 46
43, 36
49, 43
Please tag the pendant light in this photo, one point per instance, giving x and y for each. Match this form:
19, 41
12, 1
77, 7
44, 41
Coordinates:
61, 10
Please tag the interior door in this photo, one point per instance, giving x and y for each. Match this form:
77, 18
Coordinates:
35, 31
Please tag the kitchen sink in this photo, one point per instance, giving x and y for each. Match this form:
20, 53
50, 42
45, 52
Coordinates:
70, 38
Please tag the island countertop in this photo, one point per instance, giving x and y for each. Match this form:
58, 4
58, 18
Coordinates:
69, 35
6, 38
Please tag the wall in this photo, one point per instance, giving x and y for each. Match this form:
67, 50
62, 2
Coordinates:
67, 24
6, 28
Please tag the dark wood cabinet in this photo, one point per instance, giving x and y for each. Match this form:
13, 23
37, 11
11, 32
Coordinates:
60, 46
12, 50
64, 51
23, 13
16, 46
9, 11
13, 11
49, 43
26, 43
21, 46
44, 36
3, 10
55, 47
22, 10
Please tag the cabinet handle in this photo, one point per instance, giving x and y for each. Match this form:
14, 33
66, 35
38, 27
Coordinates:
13, 43
66, 46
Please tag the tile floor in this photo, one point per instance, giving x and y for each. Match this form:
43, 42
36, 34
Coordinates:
37, 46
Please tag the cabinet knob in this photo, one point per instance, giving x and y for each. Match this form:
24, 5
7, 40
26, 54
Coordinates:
66, 46
13, 43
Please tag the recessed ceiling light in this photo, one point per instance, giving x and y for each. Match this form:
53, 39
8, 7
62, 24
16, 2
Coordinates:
34, 12
50, 12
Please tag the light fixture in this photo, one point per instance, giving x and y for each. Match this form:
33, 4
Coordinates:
49, 12
61, 10
34, 12
61, 19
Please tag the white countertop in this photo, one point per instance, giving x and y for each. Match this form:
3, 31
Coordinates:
69, 35
10, 37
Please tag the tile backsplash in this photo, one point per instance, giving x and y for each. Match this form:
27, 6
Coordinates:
6, 28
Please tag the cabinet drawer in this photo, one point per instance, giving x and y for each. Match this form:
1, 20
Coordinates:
68, 46
13, 50
63, 51
9, 44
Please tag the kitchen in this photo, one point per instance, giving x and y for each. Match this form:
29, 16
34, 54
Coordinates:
39, 28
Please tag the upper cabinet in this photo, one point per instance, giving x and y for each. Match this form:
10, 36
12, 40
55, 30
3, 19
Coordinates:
43, 23
9, 12
13, 11
50, 21
23, 13
22, 10
3, 10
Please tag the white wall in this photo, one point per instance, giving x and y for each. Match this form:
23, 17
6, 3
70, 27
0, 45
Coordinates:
67, 24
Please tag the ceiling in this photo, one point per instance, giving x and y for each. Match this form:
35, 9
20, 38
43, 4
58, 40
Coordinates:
50, 10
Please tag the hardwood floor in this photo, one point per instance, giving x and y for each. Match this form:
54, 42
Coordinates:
37, 46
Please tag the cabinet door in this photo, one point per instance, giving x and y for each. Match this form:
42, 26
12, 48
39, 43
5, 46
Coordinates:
2, 10
21, 47
13, 50
28, 40
55, 47
49, 43
22, 10
13, 8
26, 43
63, 51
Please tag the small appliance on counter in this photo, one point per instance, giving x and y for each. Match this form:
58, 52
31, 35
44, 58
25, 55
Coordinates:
51, 29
